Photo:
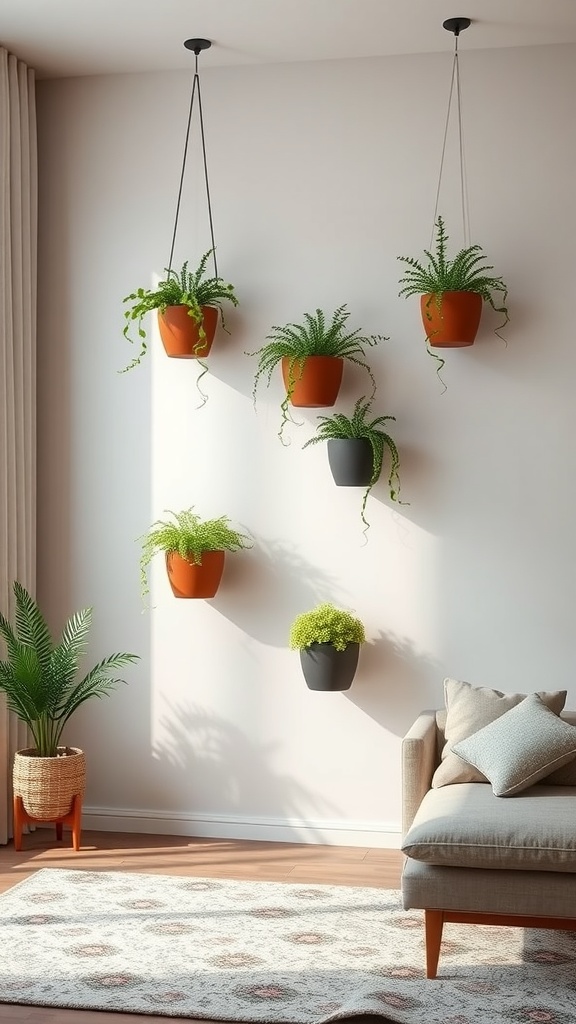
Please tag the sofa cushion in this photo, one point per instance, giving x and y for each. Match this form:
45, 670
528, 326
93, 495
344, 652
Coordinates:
467, 826
565, 776
521, 747
468, 709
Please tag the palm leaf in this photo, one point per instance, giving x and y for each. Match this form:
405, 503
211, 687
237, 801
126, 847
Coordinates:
38, 678
31, 625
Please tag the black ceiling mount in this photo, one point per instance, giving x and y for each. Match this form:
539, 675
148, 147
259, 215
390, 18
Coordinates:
456, 25
200, 44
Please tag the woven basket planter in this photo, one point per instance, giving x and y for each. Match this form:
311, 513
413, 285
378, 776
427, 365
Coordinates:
48, 784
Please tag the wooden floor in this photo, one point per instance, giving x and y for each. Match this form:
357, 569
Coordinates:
203, 858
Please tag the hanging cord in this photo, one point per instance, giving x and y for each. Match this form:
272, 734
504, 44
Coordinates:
463, 178
455, 79
206, 176
195, 85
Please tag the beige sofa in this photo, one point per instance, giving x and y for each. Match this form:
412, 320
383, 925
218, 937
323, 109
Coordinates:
475, 857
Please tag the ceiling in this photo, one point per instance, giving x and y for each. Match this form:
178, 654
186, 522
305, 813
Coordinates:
63, 38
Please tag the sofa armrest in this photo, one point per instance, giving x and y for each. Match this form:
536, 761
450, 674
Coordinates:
418, 765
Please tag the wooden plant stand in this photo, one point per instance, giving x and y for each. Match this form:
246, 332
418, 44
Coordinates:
73, 818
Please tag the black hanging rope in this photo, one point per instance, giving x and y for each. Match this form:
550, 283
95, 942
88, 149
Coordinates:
454, 81
206, 177
195, 88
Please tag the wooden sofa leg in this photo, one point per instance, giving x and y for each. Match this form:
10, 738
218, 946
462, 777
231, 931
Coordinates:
433, 924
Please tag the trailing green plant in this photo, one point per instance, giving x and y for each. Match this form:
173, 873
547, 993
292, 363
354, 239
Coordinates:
326, 624
184, 288
339, 426
189, 536
39, 675
467, 272
314, 337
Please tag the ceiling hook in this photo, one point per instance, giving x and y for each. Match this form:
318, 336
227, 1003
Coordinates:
456, 25
197, 45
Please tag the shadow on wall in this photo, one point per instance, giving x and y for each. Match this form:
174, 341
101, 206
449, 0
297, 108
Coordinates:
394, 682
421, 487
212, 763
263, 594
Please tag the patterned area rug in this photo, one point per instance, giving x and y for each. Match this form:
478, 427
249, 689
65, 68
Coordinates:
266, 951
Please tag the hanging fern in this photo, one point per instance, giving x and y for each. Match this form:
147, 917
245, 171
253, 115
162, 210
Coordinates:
189, 536
467, 272
182, 288
339, 426
314, 337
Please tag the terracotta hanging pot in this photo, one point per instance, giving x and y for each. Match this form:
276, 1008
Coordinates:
455, 323
317, 380
190, 580
180, 332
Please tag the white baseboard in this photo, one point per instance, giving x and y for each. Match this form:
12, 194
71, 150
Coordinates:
213, 826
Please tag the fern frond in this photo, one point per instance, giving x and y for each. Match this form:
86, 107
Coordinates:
179, 288
314, 336
189, 536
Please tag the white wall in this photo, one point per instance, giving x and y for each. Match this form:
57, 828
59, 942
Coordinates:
321, 175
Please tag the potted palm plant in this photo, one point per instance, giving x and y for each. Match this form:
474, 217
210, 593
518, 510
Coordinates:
452, 292
328, 639
356, 446
194, 549
188, 306
311, 355
40, 681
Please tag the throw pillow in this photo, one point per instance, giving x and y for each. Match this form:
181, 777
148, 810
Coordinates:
469, 708
521, 747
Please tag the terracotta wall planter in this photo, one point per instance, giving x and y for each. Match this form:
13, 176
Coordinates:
318, 380
190, 580
327, 669
351, 461
456, 323
179, 332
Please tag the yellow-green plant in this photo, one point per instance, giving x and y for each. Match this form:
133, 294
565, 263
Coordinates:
326, 624
189, 536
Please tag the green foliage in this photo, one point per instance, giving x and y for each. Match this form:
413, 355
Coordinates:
313, 337
189, 536
39, 675
179, 289
326, 624
358, 425
467, 272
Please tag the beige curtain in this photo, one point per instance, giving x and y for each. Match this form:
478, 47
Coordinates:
18, 234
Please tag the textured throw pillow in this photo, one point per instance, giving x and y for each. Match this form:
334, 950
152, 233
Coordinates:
521, 747
469, 708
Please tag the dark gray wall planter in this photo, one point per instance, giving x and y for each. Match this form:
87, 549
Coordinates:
325, 668
351, 461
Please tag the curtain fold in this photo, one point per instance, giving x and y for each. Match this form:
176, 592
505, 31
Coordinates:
18, 278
